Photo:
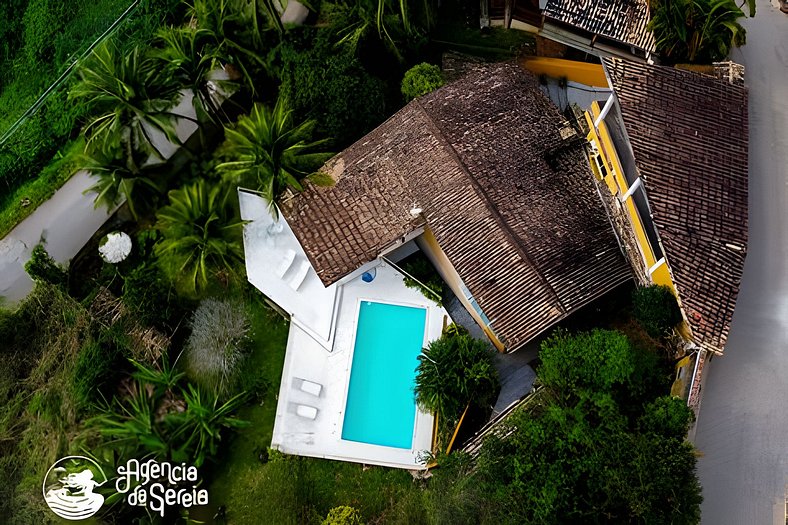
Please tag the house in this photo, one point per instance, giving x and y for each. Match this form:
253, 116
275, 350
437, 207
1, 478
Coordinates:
488, 179
492, 184
672, 149
615, 28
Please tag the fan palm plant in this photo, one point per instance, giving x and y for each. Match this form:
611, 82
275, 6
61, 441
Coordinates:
201, 235
267, 151
129, 98
696, 30
192, 60
119, 177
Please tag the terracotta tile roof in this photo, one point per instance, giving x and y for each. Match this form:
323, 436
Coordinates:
531, 242
689, 137
621, 20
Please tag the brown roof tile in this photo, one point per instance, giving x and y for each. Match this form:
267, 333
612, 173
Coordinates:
531, 242
689, 136
621, 20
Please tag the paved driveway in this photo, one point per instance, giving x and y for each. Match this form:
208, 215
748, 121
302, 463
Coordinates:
742, 430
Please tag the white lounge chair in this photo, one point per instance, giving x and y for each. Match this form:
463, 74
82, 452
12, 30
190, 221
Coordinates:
306, 411
310, 387
285, 263
300, 275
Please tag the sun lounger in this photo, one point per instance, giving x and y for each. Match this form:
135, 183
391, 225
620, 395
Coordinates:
306, 411
285, 263
310, 387
300, 275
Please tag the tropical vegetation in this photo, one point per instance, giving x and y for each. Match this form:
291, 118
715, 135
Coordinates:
455, 371
656, 309
593, 445
701, 31
268, 152
421, 79
201, 236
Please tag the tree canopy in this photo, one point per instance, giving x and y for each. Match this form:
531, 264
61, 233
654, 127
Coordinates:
576, 454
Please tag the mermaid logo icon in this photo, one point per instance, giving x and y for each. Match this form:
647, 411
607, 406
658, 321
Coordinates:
68, 487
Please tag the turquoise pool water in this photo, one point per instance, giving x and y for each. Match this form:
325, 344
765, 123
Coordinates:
381, 407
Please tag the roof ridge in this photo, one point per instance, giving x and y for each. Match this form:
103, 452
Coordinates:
438, 132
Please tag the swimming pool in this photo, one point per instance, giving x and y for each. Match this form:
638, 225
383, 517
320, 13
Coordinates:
381, 405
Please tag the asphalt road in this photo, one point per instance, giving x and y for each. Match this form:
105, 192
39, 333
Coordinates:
742, 430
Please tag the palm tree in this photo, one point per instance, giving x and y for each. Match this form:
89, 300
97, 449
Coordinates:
191, 59
268, 152
391, 21
129, 98
201, 235
696, 30
237, 28
118, 177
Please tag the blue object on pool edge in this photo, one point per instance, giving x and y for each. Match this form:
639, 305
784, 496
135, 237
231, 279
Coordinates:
369, 276
381, 405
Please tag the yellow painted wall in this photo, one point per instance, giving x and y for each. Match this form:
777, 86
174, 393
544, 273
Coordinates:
580, 72
618, 185
429, 245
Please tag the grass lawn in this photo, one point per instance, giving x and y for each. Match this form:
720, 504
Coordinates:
291, 489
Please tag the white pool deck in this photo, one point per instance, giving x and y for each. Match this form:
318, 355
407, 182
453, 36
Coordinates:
321, 339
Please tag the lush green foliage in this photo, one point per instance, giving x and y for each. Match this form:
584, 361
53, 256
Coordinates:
421, 79
151, 297
23, 185
187, 55
576, 454
217, 345
424, 272
268, 152
394, 23
454, 371
697, 30
323, 83
342, 515
201, 236
656, 309
42, 267
48, 341
127, 95
160, 416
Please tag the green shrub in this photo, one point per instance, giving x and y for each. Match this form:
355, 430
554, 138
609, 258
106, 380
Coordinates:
331, 86
43, 21
217, 345
42, 267
424, 272
421, 79
666, 416
149, 294
656, 309
343, 515
453, 371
